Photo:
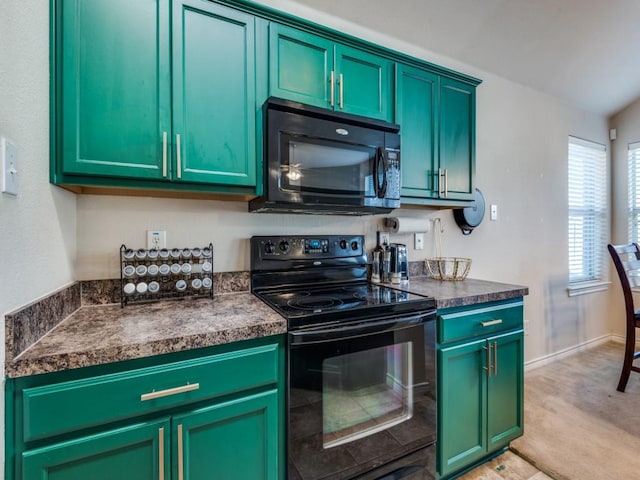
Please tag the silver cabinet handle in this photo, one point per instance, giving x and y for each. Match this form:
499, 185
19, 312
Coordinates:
497, 321
332, 88
164, 154
488, 367
180, 454
161, 453
495, 358
178, 159
446, 183
341, 84
169, 391
440, 182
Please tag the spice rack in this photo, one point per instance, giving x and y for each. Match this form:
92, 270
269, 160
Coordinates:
150, 275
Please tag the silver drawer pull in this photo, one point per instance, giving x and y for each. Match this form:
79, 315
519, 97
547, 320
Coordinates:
189, 387
491, 322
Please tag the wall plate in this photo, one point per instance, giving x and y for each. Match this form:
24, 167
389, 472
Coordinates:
8, 167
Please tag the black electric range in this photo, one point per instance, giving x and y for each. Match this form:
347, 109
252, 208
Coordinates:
360, 361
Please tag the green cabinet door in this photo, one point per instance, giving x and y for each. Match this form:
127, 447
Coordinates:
416, 112
300, 66
457, 138
364, 83
505, 390
136, 452
310, 69
461, 405
234, 440
213, 94
113, 77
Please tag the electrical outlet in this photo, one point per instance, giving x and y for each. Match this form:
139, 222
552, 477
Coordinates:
525, 324
156, 239
419, 241
384, 237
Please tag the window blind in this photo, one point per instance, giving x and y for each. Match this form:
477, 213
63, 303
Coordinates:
634, 191
587, 209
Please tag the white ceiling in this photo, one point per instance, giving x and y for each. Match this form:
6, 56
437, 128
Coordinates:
586, 52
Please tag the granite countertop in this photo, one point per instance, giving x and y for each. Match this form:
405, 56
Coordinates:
98, 334
101, 334
466, 292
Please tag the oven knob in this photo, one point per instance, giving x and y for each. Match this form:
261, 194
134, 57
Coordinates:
343, 244
284, 246
269, 247
354, 245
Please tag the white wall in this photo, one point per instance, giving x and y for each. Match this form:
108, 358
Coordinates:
627, 125
38, 227
521, 164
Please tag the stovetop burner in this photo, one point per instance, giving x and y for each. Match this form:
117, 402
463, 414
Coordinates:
307, 301
308, 306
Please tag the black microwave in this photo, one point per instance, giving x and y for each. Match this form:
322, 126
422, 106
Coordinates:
319, 161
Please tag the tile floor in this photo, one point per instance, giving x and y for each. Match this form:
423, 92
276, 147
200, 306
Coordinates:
507, 466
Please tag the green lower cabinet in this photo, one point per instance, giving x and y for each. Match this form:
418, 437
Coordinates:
462, 404
505, 400
236, 440
480, 387
216, 413
136, 452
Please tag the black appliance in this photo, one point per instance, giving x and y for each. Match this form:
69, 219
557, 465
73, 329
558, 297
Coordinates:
361, 391
319, 161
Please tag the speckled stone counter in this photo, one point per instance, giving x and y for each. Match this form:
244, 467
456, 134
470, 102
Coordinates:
107, 333
466, 292
71, 329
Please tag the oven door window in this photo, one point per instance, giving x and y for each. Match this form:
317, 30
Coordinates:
366, 392
326, 168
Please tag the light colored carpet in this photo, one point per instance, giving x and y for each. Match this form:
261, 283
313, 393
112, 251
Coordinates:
577, 426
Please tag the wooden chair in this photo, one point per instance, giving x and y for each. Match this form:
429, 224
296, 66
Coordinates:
626, 259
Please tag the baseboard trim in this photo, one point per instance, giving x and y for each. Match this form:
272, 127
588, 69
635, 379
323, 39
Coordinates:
552, 357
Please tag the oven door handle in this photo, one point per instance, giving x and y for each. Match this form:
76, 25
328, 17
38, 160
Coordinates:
345, 332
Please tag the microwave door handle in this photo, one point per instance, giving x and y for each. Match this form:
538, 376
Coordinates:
342, 332
376, 161
381, 189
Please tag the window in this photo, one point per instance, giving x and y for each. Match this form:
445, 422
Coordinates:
634, 191
587, 210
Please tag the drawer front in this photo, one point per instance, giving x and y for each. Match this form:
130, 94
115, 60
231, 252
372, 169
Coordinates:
478, 322
64, 407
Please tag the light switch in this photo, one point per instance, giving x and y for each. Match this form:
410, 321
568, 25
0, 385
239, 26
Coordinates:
9, 166
494, 212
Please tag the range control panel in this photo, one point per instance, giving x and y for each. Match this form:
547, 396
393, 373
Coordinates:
307, 247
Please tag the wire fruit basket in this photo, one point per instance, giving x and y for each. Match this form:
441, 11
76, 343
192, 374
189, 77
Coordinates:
448, 268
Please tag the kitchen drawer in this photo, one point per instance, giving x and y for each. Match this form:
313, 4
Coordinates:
68, 406
477, 322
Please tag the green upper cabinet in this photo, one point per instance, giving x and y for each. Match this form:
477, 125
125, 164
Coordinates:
213, 94
437, 130
416, 112
310, 69
114, 78
154, 94
457, 138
